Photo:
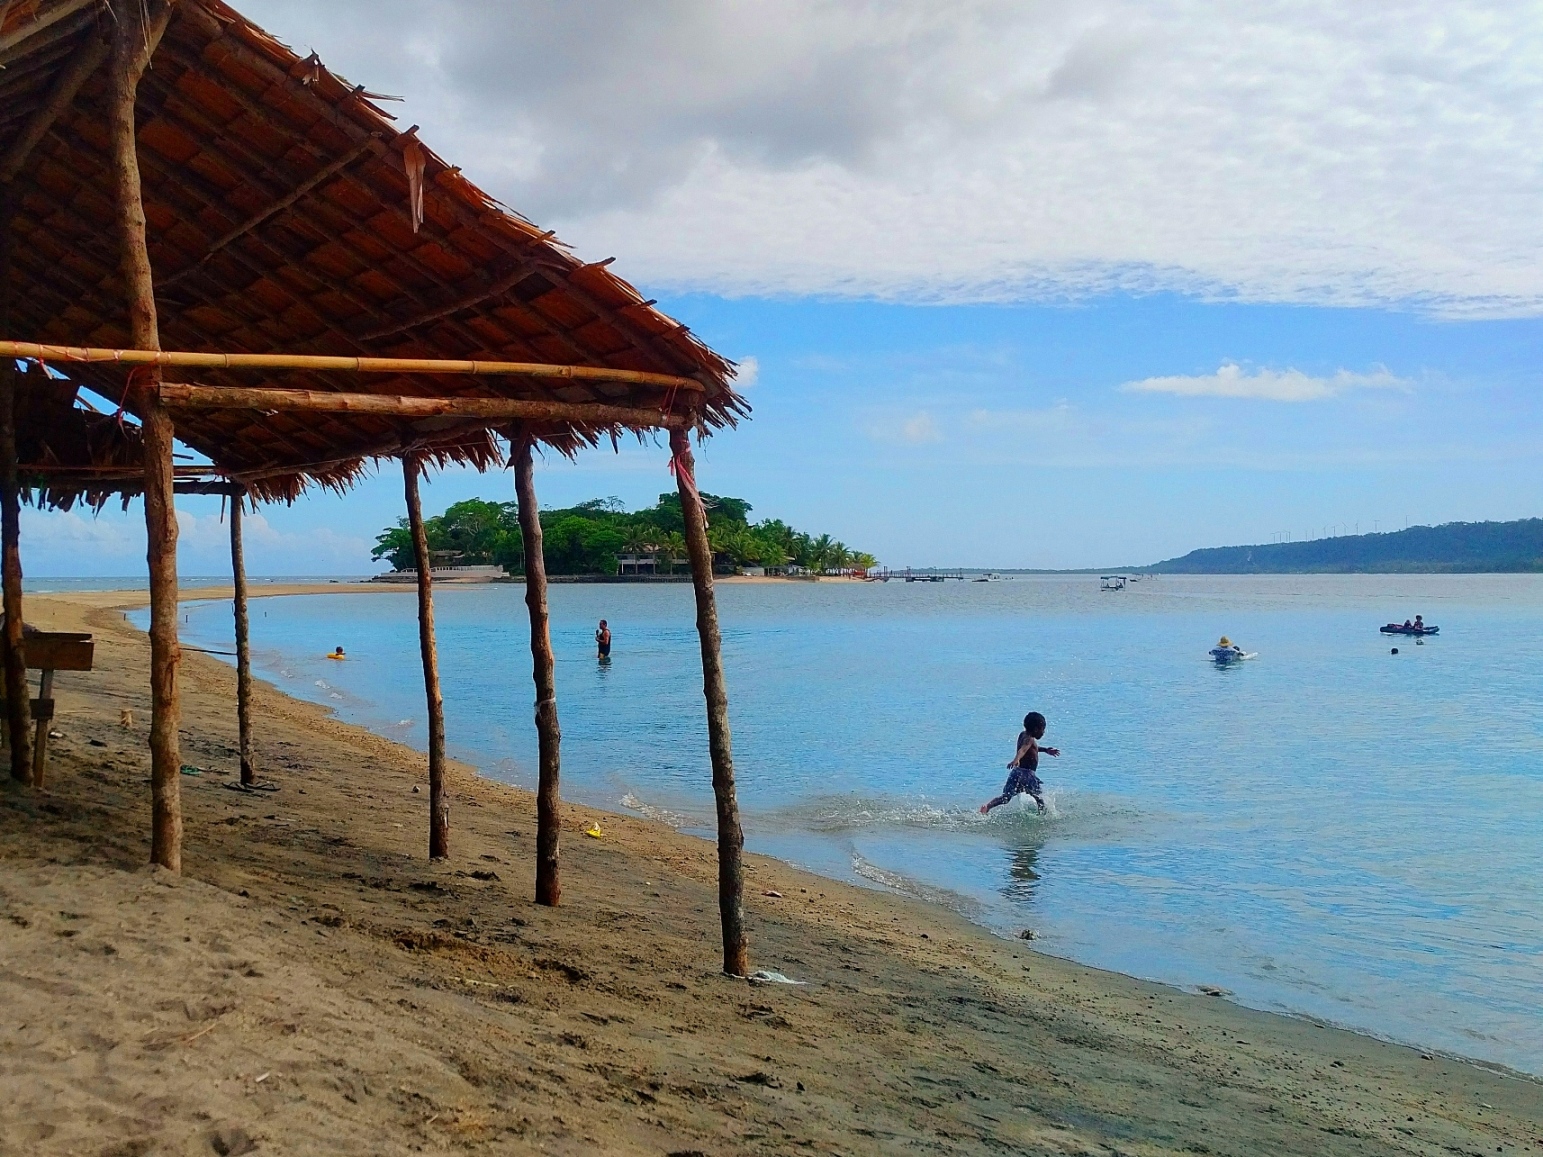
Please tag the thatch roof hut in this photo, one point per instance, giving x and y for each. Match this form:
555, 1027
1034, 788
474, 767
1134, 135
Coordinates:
173, 178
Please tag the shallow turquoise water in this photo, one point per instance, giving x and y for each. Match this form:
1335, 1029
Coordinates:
1329, 829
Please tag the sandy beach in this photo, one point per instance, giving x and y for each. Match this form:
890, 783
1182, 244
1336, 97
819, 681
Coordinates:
312, 984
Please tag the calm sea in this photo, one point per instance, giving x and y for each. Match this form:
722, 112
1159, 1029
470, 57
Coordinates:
1329, 829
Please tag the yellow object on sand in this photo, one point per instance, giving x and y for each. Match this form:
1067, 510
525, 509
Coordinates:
594, 831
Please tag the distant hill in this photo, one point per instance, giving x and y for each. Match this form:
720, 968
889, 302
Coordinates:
1456, 547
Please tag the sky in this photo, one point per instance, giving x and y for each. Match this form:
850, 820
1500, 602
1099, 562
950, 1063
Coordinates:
1027, 284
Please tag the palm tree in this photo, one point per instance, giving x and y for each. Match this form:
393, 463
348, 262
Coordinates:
673, 546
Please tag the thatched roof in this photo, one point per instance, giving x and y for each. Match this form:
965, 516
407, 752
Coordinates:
68, 453
282, 219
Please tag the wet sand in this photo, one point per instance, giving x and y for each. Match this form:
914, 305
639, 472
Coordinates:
312, 984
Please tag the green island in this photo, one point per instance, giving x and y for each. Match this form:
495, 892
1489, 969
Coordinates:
1452, 548
601, 537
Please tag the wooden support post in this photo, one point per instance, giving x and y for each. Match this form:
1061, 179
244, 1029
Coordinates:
731, 837
548, 732
18, 714
243, 643
439, 805
135, 35
44, 722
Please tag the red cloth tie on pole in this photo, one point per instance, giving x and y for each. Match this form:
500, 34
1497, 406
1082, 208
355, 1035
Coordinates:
682, 471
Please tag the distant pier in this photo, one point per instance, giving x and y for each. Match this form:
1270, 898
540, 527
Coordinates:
929, 574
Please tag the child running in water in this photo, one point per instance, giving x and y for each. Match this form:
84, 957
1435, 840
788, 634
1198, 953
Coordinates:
1021, 778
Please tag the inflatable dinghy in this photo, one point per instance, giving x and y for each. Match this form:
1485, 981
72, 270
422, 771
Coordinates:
1225, 655
1400, 629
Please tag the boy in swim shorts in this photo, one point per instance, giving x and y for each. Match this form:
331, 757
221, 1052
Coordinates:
1021, 778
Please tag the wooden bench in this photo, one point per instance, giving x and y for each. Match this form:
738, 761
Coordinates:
49, 651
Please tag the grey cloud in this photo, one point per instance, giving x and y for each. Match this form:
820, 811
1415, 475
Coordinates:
989, 149
602, 104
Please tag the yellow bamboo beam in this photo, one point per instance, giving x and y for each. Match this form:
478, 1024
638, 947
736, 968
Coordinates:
172, 358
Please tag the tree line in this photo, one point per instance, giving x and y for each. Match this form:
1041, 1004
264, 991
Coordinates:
1455, 547
590, 537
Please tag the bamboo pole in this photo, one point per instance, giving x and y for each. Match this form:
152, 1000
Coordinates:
439, 805
181, 360
135, 35
17, 695
548, 731
243, 643
731, 836
180, 396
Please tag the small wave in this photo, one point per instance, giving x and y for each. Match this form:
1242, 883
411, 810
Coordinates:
969, 908
830, 815
649, 811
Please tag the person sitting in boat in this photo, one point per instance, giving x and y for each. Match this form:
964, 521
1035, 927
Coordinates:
1419, 623
1408, 626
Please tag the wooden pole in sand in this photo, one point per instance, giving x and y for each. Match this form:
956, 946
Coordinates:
17, 696
439, 805
243, 642
135, 35
548, 732
731, 837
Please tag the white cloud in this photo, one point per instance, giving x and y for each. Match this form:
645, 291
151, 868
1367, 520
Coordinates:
915, 429
1299, 151
747, 373
1232, 381
113, 543
920, 428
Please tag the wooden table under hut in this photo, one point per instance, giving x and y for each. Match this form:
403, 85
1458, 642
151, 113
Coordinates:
240, 252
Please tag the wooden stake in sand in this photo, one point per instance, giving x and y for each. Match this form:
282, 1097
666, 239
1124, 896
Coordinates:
731, 837
439, 805
18, 713
243, 643
135, 35
548, 732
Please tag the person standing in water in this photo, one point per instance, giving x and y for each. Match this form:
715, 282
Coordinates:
1021, 778
603, 640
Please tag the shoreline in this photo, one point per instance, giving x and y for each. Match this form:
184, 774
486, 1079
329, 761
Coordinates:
137, 599
600, 1024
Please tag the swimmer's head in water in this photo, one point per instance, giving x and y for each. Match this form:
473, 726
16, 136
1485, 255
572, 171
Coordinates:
1034, 724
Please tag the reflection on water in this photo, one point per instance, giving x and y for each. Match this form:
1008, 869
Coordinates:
1327, 828
1021, 874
